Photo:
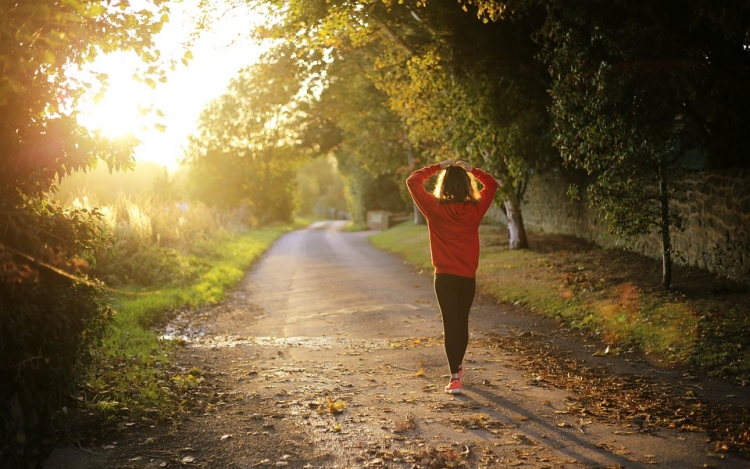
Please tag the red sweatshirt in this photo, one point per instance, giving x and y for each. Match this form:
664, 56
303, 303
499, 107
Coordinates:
453, 227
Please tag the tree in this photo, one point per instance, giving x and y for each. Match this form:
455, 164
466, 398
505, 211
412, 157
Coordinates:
342, 113
321, 189
41, 141
39, 42
245, 153
370, 143
475, 90
455, 92
632, 93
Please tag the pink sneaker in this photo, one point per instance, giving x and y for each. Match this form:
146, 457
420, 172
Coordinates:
454, 387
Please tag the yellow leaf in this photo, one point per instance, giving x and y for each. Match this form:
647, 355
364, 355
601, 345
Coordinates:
336, 407
419, 373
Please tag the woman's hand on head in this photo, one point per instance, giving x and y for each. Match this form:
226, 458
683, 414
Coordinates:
467, 167
446, 163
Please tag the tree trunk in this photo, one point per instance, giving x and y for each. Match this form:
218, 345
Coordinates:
419, 219
666, 245
516, 230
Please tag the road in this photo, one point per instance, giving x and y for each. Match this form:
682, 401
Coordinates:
322, 282
329, 354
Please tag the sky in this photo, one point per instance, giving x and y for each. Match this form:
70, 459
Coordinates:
217, 56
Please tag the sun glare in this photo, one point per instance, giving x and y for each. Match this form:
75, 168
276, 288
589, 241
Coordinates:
162, 118
119, 111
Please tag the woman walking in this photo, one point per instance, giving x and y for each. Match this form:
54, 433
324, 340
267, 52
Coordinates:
453, 214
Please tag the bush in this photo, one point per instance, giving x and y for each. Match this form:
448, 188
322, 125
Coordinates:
50, 316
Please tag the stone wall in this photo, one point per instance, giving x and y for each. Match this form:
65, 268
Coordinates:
715, 207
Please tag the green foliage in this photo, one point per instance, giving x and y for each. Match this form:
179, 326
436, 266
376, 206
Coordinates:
47, 331
244, 154
148, 235
408, 84
39, 41
321, 189
366, 192
151, 241
634, 90
461, 96
368, 141
613, 118
51, 314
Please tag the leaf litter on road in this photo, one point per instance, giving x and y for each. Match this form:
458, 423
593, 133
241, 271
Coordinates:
635, 401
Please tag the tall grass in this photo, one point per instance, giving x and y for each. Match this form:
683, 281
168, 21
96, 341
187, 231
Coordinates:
154, 242
162, 257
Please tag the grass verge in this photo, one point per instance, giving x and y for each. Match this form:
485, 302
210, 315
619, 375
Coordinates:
132, 380
614, 295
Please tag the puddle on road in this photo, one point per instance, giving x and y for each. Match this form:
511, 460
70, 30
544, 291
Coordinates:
192, 330
226, 341
186, 326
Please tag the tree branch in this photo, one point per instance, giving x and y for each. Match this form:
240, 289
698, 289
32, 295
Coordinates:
390, 34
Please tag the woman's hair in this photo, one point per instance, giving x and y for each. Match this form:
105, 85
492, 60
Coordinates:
454, 185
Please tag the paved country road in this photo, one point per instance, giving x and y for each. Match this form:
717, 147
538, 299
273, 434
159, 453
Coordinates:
329, 355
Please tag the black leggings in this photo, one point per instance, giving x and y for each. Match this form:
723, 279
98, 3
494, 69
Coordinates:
455, 296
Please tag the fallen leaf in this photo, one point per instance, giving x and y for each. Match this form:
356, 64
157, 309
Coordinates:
334, 407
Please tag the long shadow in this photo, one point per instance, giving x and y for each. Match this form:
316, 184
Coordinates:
554, 438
